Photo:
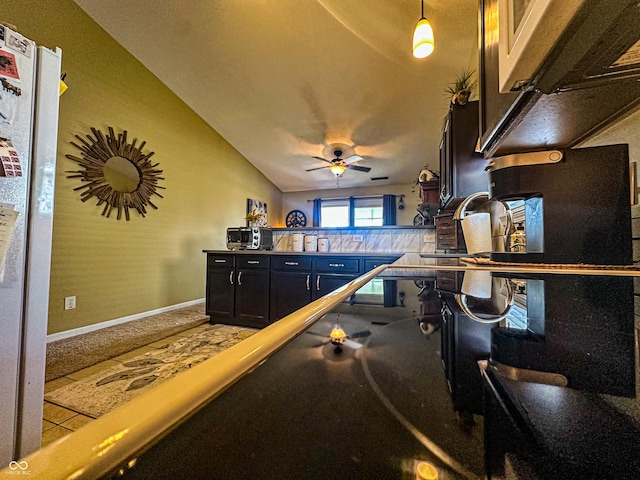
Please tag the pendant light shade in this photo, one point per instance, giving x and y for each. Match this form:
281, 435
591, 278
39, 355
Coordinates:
423, 42
337, 169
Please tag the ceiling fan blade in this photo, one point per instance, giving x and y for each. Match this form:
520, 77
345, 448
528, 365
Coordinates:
352, 344
362, 334
352, 158
323, 159
317, 168
359, 168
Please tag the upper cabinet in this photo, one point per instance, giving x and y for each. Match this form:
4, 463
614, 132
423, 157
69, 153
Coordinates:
462, 169
554, 72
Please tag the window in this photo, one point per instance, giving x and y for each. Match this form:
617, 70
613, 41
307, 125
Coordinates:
367, 212
334, 213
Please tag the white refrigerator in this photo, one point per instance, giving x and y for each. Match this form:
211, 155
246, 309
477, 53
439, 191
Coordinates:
29, 97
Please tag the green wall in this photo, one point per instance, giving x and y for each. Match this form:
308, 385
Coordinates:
118, 268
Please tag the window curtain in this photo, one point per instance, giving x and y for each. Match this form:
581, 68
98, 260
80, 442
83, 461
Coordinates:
388, 210
352, 211
317, 204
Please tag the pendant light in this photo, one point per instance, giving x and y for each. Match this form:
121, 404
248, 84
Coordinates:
337, 169
423, 42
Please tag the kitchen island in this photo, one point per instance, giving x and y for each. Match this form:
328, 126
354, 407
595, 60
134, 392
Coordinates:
407, 385
348, 387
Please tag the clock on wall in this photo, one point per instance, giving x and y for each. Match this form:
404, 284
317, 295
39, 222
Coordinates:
296, 218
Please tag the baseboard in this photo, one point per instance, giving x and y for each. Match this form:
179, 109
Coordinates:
117, 321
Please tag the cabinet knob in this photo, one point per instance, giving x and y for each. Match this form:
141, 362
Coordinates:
231, 277
253, 262
336, 264
240, 278
308, 276
291, 263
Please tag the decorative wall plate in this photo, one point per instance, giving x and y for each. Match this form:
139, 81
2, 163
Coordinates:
116, 172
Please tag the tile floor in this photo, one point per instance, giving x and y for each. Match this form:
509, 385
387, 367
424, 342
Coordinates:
59, 421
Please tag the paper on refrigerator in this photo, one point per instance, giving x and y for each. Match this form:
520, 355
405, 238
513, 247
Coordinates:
7, 221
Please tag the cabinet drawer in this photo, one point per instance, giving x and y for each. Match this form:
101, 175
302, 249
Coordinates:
252, 261
338, 265
446, 229
446, 242
445, 223
449, 281
214, 260
293, 263
371, 263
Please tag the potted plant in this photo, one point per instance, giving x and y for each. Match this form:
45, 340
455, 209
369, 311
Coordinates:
462, 88
253, 217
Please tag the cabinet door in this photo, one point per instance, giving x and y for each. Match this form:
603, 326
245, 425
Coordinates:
252, 298
445, 165
468, 173
220, 293
327, 283
289, 292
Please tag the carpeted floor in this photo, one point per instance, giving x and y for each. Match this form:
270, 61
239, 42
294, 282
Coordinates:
75, 353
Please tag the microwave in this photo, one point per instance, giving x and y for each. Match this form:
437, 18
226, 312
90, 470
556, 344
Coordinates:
249, 238
574, 43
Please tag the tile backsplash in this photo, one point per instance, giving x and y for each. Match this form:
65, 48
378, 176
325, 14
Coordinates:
370, 240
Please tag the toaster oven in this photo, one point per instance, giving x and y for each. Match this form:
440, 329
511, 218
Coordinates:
249, 238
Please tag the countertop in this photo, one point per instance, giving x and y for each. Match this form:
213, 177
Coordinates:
343, 254
310, 411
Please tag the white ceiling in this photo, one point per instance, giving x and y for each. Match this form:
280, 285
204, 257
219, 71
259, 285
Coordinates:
282, 79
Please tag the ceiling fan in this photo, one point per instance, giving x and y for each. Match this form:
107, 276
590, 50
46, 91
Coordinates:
339, 165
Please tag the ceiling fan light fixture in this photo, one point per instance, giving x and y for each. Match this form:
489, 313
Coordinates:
337, 170
423, 40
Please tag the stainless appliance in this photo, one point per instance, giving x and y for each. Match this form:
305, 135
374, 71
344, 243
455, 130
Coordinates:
30, 77
573, 205
249, 238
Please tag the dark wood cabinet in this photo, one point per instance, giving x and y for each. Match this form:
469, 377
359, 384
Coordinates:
333, 272
577, 91
220, 293
255, 290
252, 298
327, 283
430, 191
449, 235
238, 290
464, 343
289, 292
290, 285
461, 167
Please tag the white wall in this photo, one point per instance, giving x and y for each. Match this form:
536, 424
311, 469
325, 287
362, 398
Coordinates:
298, 200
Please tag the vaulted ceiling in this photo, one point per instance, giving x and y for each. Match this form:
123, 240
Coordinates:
281, 80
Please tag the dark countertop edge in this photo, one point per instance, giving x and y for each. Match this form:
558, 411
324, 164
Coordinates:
332, 254
350, 229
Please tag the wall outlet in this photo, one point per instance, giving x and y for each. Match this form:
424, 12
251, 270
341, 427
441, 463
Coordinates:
357, 238
69, 303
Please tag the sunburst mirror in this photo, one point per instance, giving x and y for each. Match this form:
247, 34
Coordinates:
116, 172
